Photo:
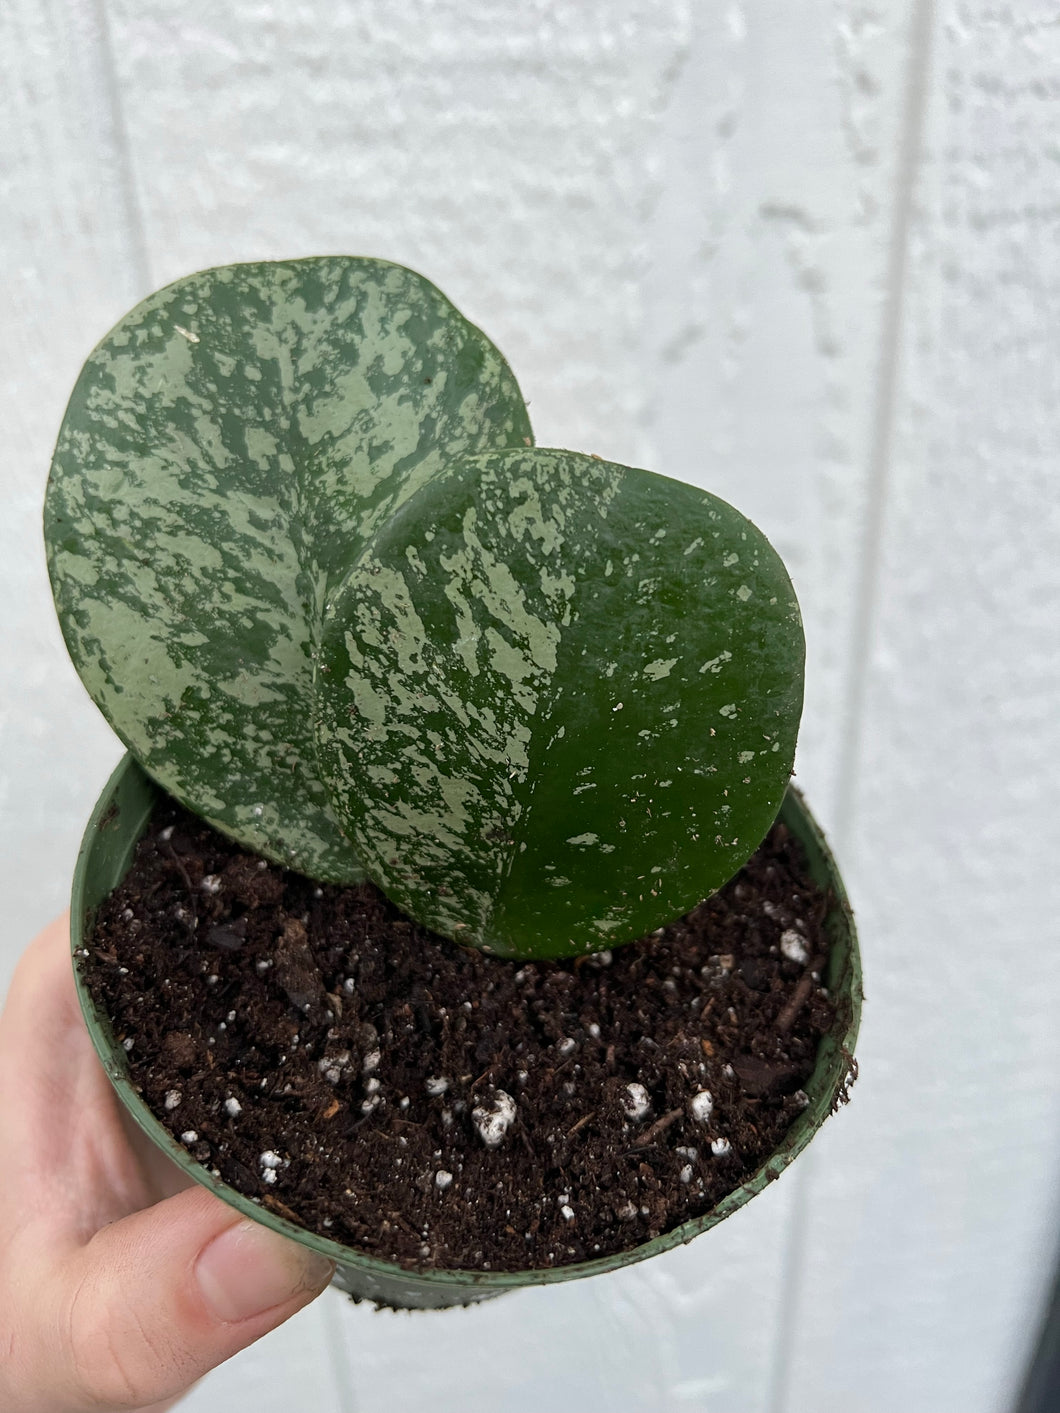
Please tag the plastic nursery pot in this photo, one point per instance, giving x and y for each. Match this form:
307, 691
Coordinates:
118, 821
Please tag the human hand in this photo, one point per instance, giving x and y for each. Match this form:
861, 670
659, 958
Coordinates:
121, 1281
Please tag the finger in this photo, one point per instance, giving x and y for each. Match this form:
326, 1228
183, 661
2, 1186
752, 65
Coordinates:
154, 1301
161, 1175
41, 1008
65, 1153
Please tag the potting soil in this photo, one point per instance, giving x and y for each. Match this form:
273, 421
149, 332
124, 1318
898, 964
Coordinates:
441, 1108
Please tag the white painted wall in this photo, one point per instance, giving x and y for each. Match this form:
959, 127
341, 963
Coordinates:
805, 255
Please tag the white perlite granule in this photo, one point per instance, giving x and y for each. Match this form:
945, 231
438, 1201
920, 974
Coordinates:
494, 1122
173, 1098
794, 947
720, 1147
636, 1101
189, 1136
702, 1106
442, 1179
233, 1108
332, 1067
270, 1160
435, 1085
686, 1173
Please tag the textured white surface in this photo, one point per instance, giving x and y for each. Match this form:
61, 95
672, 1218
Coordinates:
66, 278
805, 255
934, 1202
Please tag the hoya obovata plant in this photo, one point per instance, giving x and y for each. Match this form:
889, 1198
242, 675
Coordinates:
315, 573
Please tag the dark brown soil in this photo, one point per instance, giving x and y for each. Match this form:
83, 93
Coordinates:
338, 1063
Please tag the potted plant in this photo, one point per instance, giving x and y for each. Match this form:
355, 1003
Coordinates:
335, 602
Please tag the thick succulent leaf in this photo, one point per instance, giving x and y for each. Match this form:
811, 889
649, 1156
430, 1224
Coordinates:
558, 700
226, 450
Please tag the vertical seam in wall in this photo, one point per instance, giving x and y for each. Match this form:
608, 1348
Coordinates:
883, 432
127, 180
338, 1350
790, 1284
881, 451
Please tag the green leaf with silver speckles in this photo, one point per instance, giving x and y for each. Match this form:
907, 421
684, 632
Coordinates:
558, 700
227, 449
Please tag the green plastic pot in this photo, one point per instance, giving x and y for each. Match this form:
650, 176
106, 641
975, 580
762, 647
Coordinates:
118, 821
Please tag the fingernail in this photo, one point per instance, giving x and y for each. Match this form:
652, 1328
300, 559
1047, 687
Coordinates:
248, 1269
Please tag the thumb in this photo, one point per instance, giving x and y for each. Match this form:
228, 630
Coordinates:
155, 1300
